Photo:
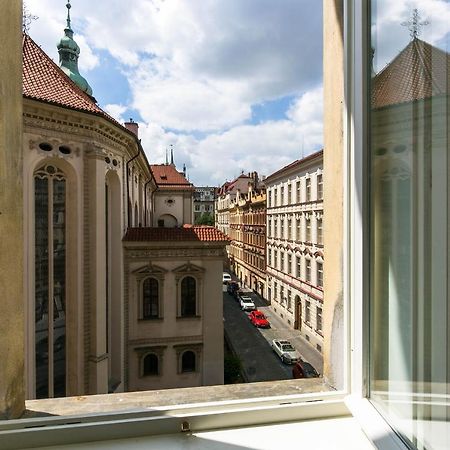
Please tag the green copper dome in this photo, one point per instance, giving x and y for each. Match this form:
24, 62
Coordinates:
69, 52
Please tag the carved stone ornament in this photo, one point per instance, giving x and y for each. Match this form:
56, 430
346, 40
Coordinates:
176, 253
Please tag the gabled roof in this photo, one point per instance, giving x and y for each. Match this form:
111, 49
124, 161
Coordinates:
43, 80
201, 233
232, 186
296, 164
419, 71
168, 177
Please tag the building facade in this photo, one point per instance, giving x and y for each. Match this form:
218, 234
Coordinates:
173, 197
174, 325
247, 232
294, 247
204, 197
224, 198
86, 182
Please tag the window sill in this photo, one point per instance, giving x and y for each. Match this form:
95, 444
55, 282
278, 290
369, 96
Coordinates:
264, 423
189, 317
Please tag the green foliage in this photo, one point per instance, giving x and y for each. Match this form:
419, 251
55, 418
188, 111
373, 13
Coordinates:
205, 219
232, 369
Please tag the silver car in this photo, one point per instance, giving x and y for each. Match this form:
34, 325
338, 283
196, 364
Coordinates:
286, 351
247, 303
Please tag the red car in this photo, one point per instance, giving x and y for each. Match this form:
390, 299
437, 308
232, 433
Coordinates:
303, 369
259, 319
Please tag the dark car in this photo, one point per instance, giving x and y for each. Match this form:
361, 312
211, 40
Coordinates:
303, 369
233, 288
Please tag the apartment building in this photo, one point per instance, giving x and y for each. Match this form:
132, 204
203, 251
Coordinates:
224, 198
294, 246
203, 202
247, 231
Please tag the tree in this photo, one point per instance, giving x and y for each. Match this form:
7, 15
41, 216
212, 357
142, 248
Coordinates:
205, 219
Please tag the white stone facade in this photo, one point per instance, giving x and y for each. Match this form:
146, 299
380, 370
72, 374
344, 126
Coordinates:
294, 246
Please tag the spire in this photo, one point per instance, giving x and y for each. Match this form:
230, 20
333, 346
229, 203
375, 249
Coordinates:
414, 24
171, 155
68, 56
68, 6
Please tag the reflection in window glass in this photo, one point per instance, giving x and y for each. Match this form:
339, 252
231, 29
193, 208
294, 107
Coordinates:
409, 227
50, 282
188, 296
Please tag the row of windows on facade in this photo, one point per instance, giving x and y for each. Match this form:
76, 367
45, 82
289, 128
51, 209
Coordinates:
258, 240
286, 302
294, 268
208, 208
249, 218
151, 363
291, 229
151, 298
257, 261
277, 195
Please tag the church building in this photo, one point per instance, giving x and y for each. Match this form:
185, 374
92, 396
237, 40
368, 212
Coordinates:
104, 291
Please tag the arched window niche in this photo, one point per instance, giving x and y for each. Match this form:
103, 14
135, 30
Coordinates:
189, 280
52, 258
189, 357
150, 292
150, 298
150, 360
150, 364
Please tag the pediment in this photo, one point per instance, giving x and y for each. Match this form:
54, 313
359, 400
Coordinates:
150, 269
189, 268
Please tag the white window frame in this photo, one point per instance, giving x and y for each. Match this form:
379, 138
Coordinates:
284, 408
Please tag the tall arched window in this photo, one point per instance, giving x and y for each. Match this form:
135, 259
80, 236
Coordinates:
150, 298
188, 296
50, 281
151, 364
188, 361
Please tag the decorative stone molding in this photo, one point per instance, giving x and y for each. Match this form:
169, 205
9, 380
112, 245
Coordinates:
174, 253
149, 342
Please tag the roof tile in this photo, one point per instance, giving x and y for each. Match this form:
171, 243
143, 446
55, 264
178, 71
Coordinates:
168, 176
43, 80
201, 233
419, 71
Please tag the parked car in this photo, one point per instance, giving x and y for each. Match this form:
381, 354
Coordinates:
226, 277
247, 303
303, 369
233, 288
259, 319
286, 351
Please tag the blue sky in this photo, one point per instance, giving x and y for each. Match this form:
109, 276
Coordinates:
232, 84
229, 83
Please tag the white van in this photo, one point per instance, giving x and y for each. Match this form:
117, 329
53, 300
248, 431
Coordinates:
226, 277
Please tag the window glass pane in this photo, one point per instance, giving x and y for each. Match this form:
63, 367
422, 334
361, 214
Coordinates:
41, 285
188, 297
59, 287
150, 298
409, 227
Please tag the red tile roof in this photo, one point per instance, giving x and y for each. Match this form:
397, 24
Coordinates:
201, 233
419, 71
43, 80
167, 176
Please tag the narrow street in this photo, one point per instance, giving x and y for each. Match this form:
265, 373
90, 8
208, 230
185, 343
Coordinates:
253, 345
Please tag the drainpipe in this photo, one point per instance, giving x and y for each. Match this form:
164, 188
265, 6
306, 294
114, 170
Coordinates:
145, 199
128, 181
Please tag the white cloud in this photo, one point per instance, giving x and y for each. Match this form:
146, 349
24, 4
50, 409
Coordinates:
116, 111
390, 36
200, 66
223, 155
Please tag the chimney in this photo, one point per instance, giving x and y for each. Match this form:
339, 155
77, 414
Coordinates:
132, 126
